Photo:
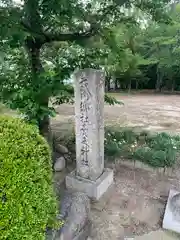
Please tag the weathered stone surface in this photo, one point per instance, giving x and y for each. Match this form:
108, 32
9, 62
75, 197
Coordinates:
158, 235
75, 208
59, 164
74, 211
89, 117
81, 235
171, 219
94, 189
175, 207
61, 149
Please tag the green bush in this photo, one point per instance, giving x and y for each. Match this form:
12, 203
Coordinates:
118, 142
157, 150
162, 152
27, 200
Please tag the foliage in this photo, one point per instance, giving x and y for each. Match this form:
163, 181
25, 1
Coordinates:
67, 96
28, 203
160, 150
161, 43
124, 60
156, 150
43, 41
145, 54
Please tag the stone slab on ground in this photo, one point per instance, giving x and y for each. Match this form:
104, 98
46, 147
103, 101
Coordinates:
94, 189
74, 211
81, 235
158, 235
170, 222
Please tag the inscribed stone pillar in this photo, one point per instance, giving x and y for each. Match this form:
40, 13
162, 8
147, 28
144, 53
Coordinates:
89, 117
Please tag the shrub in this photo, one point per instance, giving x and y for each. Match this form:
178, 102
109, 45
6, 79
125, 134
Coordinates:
27, 201
118, 142
162, 152
156, 150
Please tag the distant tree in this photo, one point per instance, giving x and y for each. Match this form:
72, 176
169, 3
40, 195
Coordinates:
161, 43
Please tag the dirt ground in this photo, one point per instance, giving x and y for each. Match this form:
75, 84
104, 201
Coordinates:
136, 205
137, 202
151, 112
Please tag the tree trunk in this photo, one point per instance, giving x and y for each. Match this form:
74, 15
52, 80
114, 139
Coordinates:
137, 84
158, 80
116, 84
173, 85
108, 83
158, 86
45, 130
129, 85
33, 48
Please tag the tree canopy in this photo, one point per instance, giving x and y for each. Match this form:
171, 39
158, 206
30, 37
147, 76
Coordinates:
44, 41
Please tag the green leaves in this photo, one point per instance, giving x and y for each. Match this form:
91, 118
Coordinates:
29, 203
66, 35
159, 150
162, 42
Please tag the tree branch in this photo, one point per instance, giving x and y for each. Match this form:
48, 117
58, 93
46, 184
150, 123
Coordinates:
29, 29
70, 36
95, 22
94, 29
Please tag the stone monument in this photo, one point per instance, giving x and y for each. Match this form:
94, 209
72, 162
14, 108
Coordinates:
171, 219
90, 175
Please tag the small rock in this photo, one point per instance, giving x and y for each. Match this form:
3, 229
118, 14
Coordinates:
61, 149
60, 164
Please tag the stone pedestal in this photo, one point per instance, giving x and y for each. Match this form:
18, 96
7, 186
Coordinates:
90, 176
93, 189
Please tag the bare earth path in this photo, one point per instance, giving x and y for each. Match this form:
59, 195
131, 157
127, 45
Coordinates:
153, 112
137, 203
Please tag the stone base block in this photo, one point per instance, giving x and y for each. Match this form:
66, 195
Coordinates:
171, 219
93, 189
